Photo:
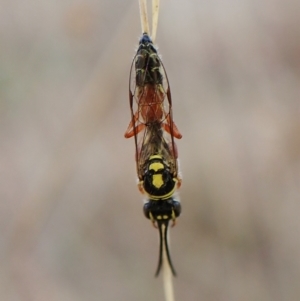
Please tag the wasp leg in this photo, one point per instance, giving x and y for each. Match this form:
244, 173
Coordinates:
134, 130
175, 132
141, 187
152, 220
179, 181
173, 217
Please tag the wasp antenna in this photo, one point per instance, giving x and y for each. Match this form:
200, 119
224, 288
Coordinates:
166, 249
144, 16
161, 246
164, 253
155, 10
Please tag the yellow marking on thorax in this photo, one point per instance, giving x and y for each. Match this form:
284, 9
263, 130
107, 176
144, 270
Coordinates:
156, 166
155, 157
165, 196
157, 180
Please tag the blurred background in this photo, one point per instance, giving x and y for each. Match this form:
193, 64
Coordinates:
71, 221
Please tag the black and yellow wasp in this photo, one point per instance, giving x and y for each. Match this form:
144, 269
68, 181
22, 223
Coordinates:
153, 129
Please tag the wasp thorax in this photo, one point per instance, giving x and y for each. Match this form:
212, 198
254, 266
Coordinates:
158, 180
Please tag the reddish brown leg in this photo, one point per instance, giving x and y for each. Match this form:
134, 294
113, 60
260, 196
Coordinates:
140, 187
179, 181
176, 132
131, 130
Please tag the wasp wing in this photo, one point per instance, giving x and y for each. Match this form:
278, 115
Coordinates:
151, 113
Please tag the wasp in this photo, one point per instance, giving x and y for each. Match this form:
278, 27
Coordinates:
154, 130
